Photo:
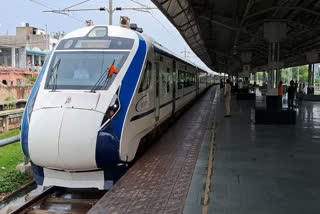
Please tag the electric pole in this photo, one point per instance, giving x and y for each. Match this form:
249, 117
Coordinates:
47, 39
185, 52
110, 12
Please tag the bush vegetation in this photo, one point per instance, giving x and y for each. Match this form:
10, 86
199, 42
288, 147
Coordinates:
10, 157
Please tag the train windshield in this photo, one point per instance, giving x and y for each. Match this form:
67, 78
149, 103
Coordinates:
82, 70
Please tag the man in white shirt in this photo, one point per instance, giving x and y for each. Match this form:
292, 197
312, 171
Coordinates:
227, 97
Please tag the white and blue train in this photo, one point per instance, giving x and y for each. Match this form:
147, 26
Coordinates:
101, 90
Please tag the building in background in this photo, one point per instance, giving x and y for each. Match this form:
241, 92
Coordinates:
27, 49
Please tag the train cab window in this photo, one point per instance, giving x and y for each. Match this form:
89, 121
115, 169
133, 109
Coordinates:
146, 78
98, 32
79, 70
115, 43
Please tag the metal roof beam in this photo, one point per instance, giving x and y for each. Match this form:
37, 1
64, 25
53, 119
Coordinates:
182, 11
163, 2
316, 13
248, 7
187, 23
232, 27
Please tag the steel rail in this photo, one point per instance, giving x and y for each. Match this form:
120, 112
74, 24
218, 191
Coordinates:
29, 204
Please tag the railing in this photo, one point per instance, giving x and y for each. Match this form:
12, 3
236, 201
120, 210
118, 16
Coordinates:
9, 140
12, 140
10, 120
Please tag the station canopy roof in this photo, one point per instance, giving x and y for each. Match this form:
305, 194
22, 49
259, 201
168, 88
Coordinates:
219, 31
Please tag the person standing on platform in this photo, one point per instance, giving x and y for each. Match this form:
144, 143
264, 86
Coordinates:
296, 85
300, 88
280, 93
291, 93
280, 89
221, 84
304, 89
227, 97
240, 86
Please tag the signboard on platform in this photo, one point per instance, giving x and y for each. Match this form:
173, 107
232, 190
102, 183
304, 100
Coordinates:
246, 70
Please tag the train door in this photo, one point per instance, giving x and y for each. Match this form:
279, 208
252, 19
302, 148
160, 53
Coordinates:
157, 97
174, 83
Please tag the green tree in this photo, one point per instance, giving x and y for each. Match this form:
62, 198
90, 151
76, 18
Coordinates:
58, 34
303, 74
32, 79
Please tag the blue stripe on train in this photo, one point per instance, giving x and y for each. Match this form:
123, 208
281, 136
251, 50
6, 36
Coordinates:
30, 104
38, 174
108, 140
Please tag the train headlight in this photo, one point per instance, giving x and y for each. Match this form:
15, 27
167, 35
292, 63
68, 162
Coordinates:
110, 113
112, 110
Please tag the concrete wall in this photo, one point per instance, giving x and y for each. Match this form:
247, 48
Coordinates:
12, 78
17, 92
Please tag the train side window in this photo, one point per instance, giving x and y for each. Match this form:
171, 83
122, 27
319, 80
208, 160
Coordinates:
181, 79
193, 79
168, 80
186, 79
145, 83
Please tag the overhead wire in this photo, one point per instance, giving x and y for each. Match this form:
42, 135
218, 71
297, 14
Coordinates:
134, 1
151, 13
156, 19
77, 4
49, 7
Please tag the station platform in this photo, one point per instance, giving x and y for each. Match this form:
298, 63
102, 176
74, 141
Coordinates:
257, 169
266, 169
159, 181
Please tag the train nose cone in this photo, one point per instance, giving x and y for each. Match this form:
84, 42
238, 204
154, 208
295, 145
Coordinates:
64, 138
43, 137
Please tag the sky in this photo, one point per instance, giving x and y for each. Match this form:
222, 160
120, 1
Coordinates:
155, 24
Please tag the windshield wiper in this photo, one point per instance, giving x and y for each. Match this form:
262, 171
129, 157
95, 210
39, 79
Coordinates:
54, 75
103, 78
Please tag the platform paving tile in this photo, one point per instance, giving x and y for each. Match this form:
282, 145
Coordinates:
159, 181
266, 169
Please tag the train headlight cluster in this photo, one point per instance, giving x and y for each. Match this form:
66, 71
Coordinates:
112, 110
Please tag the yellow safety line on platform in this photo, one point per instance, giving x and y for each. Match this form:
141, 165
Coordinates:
210, 167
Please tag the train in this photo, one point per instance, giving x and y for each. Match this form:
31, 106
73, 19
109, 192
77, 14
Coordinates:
101, 90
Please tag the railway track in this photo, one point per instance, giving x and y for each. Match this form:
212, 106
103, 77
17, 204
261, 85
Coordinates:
61, 200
